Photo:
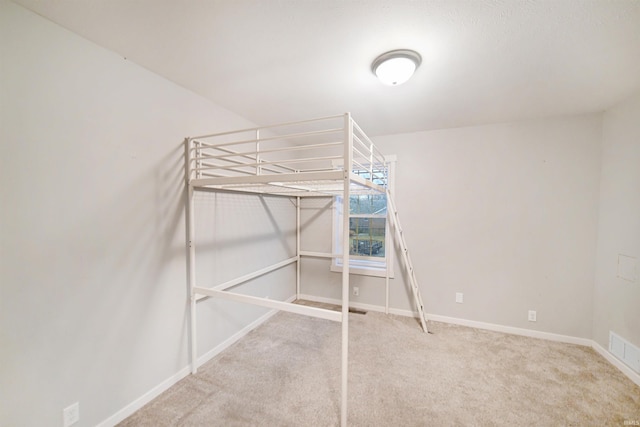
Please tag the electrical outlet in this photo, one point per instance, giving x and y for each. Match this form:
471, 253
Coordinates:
459, 297
71, 414
356, 291
532, 315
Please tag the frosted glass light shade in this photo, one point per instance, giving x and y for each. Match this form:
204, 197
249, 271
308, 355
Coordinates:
395, 71
396, 67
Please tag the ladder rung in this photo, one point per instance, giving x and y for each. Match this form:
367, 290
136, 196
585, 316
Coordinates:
407, 261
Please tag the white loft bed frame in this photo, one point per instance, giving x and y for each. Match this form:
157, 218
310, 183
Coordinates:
313, 158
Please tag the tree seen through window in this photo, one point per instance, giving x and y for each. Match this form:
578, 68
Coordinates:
367, 225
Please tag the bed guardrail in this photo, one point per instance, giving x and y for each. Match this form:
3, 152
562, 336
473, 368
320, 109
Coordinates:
317, 145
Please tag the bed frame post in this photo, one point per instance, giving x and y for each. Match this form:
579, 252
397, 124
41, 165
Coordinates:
348, 145
298, 247
389, 244
258, 160
191, 260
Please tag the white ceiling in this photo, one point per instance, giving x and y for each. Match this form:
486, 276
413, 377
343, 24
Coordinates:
281, 60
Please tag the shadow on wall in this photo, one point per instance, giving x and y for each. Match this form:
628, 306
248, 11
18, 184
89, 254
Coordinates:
321, 211
279, 234
238, 233
253, 208
131, 257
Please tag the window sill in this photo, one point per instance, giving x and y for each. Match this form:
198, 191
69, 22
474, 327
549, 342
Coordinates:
364, 271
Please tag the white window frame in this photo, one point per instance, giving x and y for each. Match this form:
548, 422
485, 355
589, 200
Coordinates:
366, 266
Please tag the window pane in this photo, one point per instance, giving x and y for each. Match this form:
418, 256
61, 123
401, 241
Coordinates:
375, 204
367, 236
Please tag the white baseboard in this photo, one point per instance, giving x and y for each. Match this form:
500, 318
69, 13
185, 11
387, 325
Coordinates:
128, 410
633, 376
462, 322
511, 330
137, 404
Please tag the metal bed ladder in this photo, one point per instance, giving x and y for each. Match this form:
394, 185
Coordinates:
407, 261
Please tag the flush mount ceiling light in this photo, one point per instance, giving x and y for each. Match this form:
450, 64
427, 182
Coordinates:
396, 67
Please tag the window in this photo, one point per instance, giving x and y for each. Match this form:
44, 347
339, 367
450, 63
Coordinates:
368, 243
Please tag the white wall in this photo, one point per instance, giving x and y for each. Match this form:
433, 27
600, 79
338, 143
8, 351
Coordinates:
616, 300
92, 255
504, 213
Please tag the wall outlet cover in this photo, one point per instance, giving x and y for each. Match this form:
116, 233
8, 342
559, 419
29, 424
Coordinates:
532, 316
459, 297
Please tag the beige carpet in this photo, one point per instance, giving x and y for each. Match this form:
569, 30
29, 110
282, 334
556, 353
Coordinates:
287, 373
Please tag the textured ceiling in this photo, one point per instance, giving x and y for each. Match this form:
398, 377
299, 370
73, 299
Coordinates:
281, 60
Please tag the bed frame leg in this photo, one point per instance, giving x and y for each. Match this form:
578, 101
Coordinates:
348, 144
191, 259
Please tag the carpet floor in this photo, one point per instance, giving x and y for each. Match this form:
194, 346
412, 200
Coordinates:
287, 373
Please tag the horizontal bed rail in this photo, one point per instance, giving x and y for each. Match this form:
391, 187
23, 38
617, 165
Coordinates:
300, 122
320, 313
283, 149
